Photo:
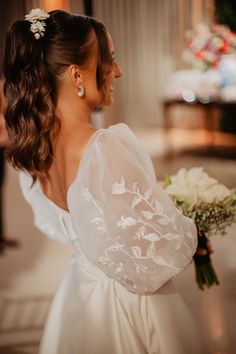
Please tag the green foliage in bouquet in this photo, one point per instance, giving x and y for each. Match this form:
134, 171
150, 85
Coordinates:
211, 218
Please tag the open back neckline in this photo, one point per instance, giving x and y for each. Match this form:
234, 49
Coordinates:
89, 143
83, 156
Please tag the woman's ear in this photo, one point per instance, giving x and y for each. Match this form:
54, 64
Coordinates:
75, 75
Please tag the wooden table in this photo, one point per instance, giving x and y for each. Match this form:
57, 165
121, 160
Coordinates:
213, 111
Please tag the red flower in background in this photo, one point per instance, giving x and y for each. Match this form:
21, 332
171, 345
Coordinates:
206, 44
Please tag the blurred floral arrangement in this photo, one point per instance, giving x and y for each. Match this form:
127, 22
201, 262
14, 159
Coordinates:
206, 45
211, 205
211, 57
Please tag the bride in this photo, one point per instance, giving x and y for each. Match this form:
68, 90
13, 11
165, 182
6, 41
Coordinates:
97, 190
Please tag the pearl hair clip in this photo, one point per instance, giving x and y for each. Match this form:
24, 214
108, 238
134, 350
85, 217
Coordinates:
36, 17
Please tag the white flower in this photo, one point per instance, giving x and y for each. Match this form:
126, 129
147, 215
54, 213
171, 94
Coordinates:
195, 186
119, 188
36, 17
126, 222
37, 26
215, 193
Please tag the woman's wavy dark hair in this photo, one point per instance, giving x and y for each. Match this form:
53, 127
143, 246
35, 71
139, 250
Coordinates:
32, 69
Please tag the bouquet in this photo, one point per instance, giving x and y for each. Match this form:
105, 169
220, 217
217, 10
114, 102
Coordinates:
211, 205
206, 44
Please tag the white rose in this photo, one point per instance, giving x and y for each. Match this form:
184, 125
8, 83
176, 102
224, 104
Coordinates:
194, 175
182, 193
215, 193
196, 186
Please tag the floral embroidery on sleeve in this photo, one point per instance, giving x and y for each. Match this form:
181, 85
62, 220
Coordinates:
143, 227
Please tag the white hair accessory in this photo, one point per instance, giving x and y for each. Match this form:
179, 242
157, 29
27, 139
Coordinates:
36, 17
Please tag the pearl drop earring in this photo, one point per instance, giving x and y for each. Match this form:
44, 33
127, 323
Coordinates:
81, 91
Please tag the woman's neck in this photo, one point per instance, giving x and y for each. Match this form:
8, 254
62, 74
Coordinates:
72, 114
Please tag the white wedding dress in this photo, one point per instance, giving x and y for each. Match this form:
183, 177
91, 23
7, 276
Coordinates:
129, 240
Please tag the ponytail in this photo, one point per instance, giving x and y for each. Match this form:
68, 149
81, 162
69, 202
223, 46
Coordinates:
30, 92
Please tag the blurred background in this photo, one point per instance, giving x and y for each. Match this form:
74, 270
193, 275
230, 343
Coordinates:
178, 93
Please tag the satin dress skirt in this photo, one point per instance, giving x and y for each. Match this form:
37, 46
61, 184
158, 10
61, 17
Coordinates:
93, 314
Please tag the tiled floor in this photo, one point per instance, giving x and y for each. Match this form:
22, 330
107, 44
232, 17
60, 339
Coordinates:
30, 275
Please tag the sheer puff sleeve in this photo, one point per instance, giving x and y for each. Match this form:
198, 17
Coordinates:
125, 223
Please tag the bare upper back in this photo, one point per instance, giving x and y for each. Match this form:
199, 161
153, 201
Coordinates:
68, 151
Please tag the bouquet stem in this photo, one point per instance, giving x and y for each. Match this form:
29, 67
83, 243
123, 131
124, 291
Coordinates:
205, 273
